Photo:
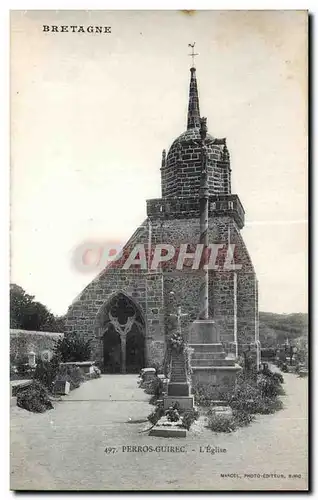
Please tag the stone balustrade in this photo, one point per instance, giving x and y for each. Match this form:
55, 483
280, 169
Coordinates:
176, 208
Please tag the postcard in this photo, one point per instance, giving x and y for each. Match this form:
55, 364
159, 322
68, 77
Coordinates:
158, 295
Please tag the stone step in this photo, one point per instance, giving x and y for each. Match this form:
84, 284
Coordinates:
213, 362
215, 369
177, 378
207, 355
207, 347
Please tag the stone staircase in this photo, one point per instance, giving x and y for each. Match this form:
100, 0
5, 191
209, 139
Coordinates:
210, 363
209, 355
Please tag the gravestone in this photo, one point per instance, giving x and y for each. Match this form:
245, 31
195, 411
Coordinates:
148, 374
62, 387
31, 359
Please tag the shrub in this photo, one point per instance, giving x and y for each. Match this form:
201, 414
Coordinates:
23, 369
220, 423
73, 348
253, 397
268, 353
154, 387
157, 366
244, 397
97, 372
46, 371
224, 423
71, 374
278, 377
242, 418
266, 406
249, 397
34, 398
188, 417
156, 414
269, 386
203, 394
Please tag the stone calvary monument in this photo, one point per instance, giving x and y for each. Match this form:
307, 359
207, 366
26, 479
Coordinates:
126, 310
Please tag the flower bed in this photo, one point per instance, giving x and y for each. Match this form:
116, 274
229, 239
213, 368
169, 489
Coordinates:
249, 397
173, 416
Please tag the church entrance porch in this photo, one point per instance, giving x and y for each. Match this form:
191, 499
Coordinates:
123, 335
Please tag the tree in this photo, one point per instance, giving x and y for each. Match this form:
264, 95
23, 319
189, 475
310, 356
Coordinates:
28, 314
277, 328
73, 348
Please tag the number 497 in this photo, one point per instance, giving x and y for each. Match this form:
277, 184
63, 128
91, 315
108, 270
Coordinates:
110, 449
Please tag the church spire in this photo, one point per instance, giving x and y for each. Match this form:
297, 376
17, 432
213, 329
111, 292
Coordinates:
193, 107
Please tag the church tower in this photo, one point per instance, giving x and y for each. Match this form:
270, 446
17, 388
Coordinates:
126, 310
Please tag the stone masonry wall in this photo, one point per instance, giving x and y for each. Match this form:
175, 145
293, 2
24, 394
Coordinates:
24, 341
180, 177
86, 315
151, 290
186, 283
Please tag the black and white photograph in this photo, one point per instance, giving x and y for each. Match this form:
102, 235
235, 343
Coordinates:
159, 250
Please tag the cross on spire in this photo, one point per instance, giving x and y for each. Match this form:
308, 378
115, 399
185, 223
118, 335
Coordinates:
193, 106
193, 54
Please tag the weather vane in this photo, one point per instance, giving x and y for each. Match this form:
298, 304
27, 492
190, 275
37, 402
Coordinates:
193, 54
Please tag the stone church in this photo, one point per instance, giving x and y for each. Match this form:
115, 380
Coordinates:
127, 311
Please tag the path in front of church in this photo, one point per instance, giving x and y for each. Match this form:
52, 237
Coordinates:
64, 448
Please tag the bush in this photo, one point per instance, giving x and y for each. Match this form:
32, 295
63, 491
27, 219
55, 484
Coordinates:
278, 377
154, 387
220, 423
268, 353
254, 397
157, 366
46, 371
203, 394
266, 406
34, 398
242, 418
188, 417
71, 374
244, 397
248, 398
97, 372
23, 370
73, 348
223, 423
269, 386
156, 414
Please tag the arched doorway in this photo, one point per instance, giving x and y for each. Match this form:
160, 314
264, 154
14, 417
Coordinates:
124, 336
112, 350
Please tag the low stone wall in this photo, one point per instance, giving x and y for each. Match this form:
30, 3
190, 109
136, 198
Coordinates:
24, 341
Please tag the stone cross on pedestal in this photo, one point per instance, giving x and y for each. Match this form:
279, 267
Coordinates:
178, 387
179, 315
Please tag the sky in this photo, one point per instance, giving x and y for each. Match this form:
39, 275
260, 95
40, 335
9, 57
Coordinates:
91, 113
